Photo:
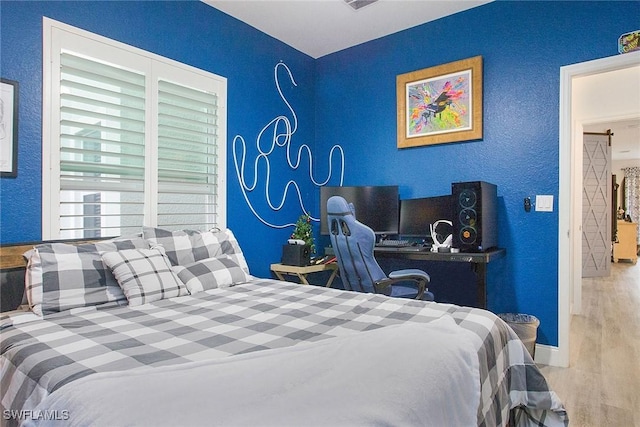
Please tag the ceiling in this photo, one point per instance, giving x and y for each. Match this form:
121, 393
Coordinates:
321, 27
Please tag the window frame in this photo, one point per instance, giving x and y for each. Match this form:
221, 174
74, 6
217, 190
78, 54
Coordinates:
156, 68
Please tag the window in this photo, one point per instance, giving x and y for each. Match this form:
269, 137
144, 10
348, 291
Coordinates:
129, 139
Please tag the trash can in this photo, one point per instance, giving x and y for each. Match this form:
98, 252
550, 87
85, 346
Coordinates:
525, 326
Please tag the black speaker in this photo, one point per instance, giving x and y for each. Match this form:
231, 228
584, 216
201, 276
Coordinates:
298, 255
475, 220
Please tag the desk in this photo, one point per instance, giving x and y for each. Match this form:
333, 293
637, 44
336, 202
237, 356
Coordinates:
478, 262
301, 273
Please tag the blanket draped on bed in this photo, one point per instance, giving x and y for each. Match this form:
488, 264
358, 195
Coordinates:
384, 377
38, 358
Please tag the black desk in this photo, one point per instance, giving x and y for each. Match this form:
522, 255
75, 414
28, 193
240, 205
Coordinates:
477, 261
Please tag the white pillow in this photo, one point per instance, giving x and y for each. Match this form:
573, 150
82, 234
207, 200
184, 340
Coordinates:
144, 275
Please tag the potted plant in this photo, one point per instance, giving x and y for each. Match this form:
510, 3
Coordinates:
295, 253
303, 231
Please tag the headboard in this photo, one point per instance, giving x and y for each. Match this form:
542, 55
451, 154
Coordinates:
13, 267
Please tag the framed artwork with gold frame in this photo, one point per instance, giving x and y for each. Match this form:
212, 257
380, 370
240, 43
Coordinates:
440, 104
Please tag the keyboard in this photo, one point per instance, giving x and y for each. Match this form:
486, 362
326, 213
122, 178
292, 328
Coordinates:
393, 243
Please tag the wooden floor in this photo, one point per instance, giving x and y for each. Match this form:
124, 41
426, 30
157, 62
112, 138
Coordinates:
601, 387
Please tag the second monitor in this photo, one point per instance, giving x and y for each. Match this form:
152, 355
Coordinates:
416, 215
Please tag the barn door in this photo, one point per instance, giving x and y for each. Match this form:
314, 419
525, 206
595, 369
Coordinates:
596, 205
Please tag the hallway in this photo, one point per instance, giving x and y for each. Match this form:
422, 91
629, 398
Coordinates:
601, 387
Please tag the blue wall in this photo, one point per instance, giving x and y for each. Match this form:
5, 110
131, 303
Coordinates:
523, 45
187, 31
348, 98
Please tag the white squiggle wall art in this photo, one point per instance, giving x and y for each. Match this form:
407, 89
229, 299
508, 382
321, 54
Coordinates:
282, 131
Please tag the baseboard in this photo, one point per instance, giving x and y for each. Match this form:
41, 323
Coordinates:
550, 355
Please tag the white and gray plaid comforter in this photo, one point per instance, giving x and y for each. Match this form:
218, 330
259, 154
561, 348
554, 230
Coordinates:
39, 357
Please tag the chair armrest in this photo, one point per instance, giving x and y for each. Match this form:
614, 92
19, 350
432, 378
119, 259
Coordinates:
409, 272
420, 278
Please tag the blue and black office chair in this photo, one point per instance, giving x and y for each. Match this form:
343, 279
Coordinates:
353, 244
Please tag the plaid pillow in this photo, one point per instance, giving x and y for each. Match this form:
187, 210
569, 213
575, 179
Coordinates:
61, 276
144, 275
187, 246
211, 273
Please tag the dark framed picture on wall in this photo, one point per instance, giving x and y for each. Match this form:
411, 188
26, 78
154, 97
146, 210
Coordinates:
440, 104
8, 128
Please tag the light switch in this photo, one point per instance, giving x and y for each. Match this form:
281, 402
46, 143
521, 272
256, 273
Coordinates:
544, 203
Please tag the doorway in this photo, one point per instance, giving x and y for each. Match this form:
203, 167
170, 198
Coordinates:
570, 186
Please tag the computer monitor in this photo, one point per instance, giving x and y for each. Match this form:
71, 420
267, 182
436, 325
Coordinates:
417, 214
375, 206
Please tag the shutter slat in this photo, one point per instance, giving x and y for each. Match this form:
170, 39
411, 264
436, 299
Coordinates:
175, 152
178, 144
117, 119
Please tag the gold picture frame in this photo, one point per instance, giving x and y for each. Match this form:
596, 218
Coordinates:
440, 104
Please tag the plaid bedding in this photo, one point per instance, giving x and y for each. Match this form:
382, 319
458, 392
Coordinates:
39, 357
62, 276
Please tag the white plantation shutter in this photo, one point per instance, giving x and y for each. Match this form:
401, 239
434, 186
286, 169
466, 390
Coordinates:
102, 152
129, 139
187, 157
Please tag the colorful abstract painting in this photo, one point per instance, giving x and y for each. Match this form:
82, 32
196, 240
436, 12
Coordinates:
440, 104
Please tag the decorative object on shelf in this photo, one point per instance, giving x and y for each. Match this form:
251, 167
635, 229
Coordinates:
440, 104
628, 42
8, 128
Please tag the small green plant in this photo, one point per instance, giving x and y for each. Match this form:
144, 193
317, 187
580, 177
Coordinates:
304, 231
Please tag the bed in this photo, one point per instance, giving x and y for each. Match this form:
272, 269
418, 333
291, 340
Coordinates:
171, 329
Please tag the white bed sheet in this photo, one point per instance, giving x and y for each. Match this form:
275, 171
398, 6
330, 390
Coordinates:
388, 376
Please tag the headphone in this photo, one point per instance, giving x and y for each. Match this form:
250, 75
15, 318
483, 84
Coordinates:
446, 243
